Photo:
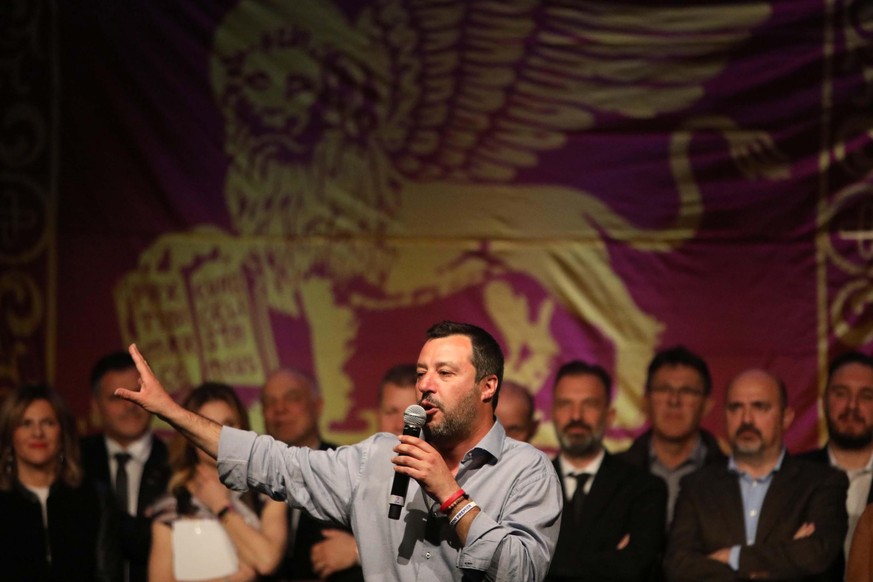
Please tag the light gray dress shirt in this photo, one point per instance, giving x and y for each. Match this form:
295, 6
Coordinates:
512, 538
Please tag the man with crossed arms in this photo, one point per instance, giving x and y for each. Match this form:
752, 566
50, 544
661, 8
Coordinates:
764, 514
479, 505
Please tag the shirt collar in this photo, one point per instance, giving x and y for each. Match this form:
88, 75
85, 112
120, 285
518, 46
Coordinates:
592, 468
491, 444
139, 450
833, 462
697, 456
732, 466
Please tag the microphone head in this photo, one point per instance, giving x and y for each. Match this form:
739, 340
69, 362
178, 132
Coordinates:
414, 415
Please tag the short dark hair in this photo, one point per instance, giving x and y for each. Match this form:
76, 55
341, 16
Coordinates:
852, 357
114, 362
582, 368
487, 355
401, 375
679, 356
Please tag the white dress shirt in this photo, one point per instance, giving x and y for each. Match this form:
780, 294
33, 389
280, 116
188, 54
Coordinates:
139, 452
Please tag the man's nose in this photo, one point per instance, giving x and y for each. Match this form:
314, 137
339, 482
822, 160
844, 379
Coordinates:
576, 411
424, 385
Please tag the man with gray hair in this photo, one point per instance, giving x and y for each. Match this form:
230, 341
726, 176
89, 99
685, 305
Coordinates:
291, 402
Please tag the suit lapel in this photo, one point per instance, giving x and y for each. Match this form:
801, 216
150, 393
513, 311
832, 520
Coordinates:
779, 498
101, 462
725, 492
557, 464
606, 484
155, 475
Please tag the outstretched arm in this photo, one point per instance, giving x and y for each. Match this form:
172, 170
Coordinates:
151, 396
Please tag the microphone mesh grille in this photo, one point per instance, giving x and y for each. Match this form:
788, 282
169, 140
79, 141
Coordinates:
414, 415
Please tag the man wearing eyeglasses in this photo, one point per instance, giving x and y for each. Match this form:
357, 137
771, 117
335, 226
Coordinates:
677, 397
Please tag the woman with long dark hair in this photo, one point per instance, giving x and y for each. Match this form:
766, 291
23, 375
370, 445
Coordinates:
202, 529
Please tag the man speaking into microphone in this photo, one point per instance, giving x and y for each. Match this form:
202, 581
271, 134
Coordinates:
479, 506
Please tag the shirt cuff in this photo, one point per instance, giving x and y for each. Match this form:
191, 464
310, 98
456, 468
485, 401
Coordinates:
734, 558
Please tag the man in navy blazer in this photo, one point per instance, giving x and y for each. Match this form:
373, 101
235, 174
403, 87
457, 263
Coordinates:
612, 526
126, 432
763, 514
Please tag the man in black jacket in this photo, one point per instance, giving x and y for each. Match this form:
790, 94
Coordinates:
612, 525
677, 396
127, 458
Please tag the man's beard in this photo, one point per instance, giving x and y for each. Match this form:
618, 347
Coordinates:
846, 440
580, 446
456, 424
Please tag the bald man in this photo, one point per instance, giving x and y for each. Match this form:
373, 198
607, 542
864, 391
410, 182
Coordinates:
763, 514
291, 402
516, 412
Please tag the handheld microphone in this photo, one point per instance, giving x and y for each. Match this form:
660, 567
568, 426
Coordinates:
413, 419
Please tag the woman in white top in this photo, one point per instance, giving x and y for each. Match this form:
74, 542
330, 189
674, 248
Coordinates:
219, 533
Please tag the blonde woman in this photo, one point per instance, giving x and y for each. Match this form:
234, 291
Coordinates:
53, 524
236, 536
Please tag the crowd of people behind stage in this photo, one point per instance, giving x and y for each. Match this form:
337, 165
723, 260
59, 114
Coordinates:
122, 505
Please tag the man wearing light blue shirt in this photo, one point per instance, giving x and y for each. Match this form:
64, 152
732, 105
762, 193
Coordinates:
479, 505
764, 514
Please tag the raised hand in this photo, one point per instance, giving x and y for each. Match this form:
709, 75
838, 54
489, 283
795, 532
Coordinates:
151, 394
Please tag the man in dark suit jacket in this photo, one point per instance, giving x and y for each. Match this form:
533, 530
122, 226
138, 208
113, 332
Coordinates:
291, 404
848, 408
612, 527
764, 515
126, 431
677, 396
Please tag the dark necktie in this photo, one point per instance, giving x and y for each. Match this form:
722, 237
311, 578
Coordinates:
579, 495
121, 480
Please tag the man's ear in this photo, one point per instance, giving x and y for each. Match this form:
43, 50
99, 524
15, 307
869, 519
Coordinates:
610, 417
647, 406
787, 418
488, 387
707, 406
